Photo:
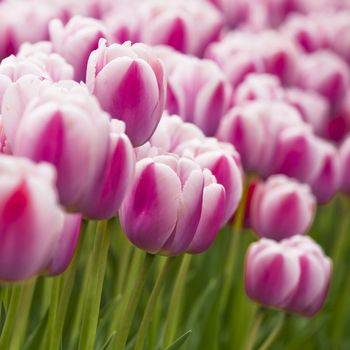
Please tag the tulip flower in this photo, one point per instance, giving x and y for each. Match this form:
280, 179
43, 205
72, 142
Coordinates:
176, 24
326, 74
104, 199
281, 208
65, 245
31, 219
173, 206
199, 93
76, 40
129, 82
293, 274
254, 129
65, 126
326, 181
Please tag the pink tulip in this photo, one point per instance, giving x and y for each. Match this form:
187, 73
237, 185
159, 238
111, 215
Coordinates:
326, 181
24, 21
199, 93
281, 208
31, 218
104, 199
65, 126
325, 73
117, 75
65, 245
173, 206
234, 12
176, 24
293, 274
76, 40
254, 130
344, 160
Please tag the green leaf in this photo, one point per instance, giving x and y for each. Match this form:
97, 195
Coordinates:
36, 337
108, 341
179, 341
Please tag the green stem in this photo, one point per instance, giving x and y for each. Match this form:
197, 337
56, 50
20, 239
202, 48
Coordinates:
88, 238
173, 315
53, 339
273, 335
10, 317
127, 315
254, 331
22, 315
97, 267
147, 316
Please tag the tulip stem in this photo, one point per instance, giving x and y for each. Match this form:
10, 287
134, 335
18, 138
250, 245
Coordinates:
22, 315
97, 267
174, 310
273, 335
10, 317
127, 315
253, 333
147, 316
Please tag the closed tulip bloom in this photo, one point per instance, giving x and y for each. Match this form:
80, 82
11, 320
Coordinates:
326, 74
326, 181
65, 245
344, 160
64, 126
118, 74
254, 128
31, 218
105, 198
173, 206
281, 207
293, 274
297, 153
76, 40
199, 93
176, 24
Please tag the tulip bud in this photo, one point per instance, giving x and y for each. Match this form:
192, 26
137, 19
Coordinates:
199, 93
31, 218
64, 126
104, 199
118, 72
65, 245
326, 181
325, 73
293, 274
254, 128
176, 24
281, 207
76, 40
173, 206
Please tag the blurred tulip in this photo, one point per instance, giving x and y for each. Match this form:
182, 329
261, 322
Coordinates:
65, 245
293, 274
129, 82
76, 40
176, 24
326, 181
199, 93
31, 218
281, 207
173, 206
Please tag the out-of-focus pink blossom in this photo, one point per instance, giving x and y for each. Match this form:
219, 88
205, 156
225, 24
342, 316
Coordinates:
281, 208
344, 160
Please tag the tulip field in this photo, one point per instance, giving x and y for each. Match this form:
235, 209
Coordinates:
174, 175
